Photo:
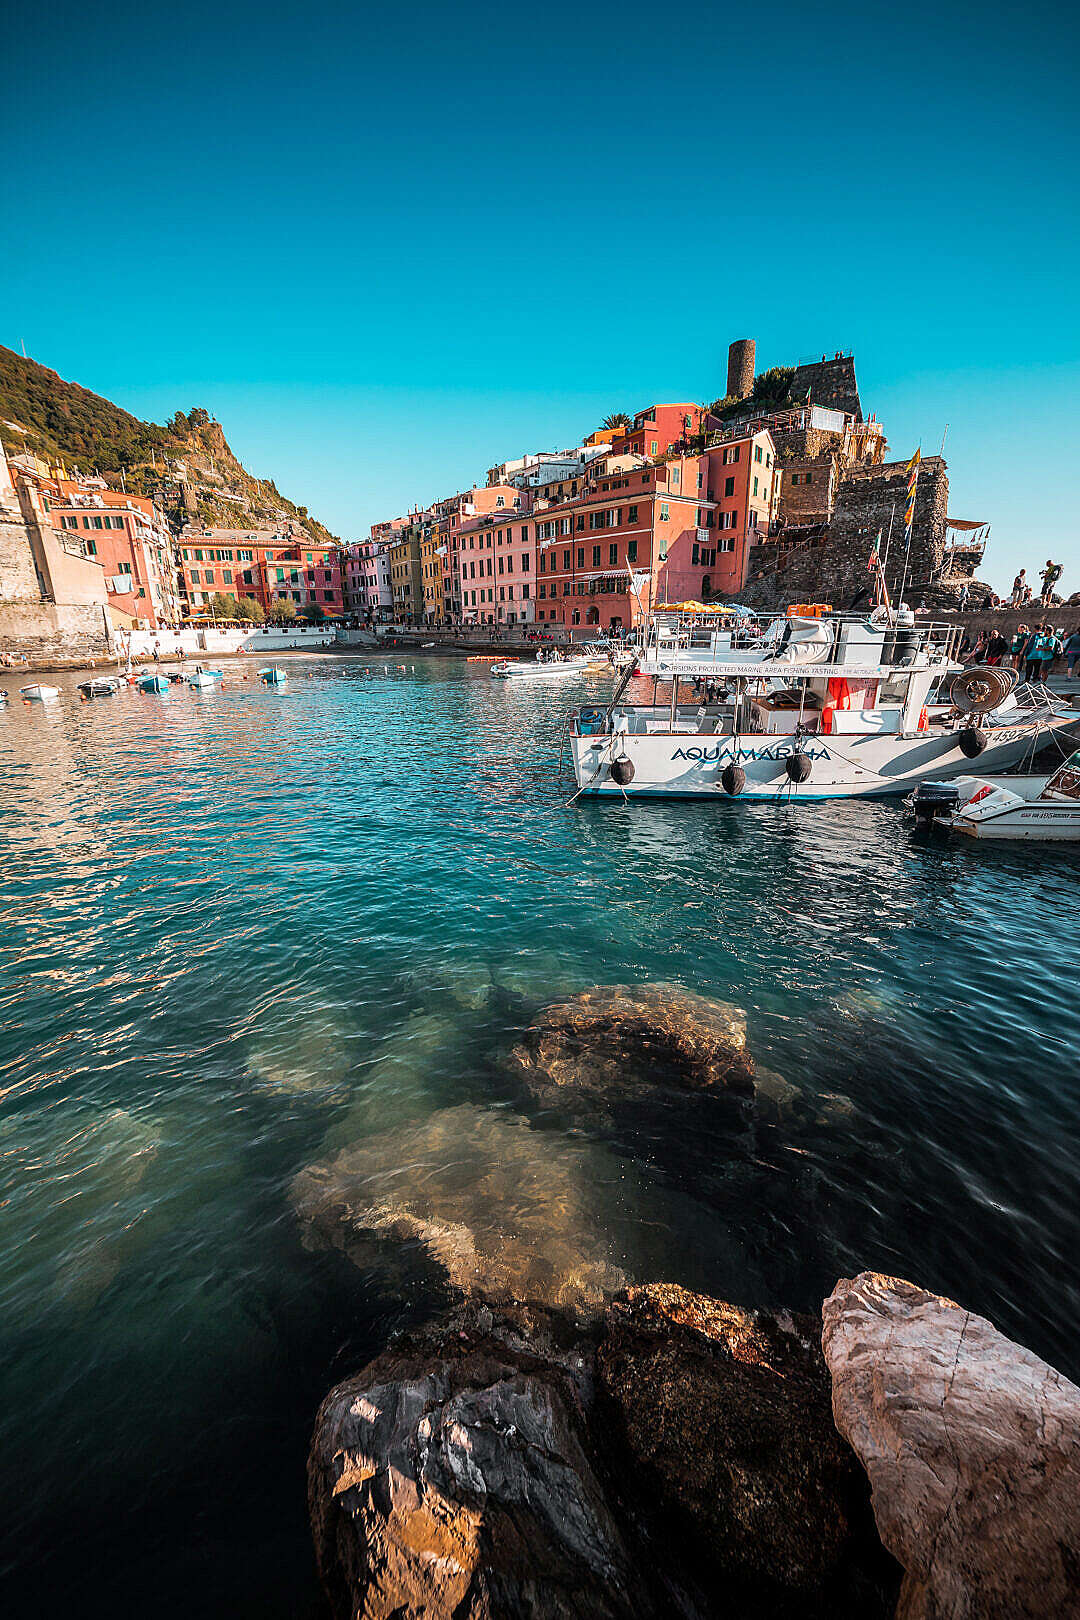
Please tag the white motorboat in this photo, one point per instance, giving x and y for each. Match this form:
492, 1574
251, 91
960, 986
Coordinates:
822, 708
203, 679
1031, 809
510, 669
100, 686
36, 693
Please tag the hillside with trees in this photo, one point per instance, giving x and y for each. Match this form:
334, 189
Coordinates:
186, 463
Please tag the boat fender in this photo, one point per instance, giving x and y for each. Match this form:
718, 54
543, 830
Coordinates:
798, 765
972, 741
621, 770
732, 779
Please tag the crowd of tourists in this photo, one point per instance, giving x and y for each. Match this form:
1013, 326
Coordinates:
1033, 650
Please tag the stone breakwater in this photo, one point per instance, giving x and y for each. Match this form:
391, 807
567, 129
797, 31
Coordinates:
678, 1456
564, 1442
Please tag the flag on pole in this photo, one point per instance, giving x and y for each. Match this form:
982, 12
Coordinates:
912, 482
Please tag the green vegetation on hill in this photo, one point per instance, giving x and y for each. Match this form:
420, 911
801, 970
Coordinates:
60, 421
769, 393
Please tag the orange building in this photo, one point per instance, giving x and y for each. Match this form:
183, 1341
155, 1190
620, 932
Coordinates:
130, 539
285, 567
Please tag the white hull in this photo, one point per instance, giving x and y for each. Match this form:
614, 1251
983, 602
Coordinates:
672, 765
537, 672
1017, 809
40, 694
1028, 824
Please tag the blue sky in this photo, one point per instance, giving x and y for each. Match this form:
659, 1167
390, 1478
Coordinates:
388, 247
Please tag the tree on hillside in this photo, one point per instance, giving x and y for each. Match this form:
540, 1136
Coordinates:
618, 419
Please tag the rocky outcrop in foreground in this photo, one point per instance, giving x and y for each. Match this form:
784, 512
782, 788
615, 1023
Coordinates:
972, 1448
677, 1458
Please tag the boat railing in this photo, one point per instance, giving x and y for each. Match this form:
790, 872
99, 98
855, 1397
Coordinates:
935, 640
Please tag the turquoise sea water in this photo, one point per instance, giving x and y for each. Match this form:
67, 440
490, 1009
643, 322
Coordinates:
243, 929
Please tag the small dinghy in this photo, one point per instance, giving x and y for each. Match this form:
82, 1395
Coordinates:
1031, 809
153, 683
36, 693
273, 676
202, 679
100, 686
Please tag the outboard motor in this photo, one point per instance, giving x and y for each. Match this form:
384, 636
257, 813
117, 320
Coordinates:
798, 766
732, 779
934, 800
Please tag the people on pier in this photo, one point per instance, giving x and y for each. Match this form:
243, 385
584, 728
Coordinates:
1050, 576
1072, 652
1017, 645
997, 647
1039, 654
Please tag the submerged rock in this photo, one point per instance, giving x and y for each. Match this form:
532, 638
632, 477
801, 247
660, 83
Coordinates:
453, 1479
673, 1458
724, 1420
403, 1083
609, 1048
497, 1207
972, 1448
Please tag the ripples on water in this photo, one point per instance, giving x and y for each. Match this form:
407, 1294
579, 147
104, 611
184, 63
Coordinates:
241, 931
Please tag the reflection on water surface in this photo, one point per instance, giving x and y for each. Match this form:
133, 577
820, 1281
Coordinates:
248, 932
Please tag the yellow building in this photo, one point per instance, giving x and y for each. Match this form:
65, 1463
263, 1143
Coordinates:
431, 576
405, 578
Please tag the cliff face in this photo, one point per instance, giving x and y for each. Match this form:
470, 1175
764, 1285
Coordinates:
186, 463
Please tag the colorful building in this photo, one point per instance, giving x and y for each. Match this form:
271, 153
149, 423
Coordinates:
635, 537
269, 568
365, 578
129, 537
431, 574
496, 569
660, 428
406, 582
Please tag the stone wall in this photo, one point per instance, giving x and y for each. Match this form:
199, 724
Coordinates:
868, 498
831, 383
838, 571
807, 488
44, 631
18, 576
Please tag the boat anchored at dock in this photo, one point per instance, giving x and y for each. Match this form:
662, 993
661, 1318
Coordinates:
539, 668
821, 708
1023, 809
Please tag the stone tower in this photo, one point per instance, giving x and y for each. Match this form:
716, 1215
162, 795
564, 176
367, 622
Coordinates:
740, 367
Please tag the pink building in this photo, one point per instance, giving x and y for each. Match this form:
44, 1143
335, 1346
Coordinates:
496, 569
656, 429
365, 577
449, 517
